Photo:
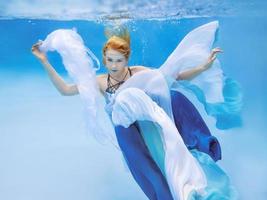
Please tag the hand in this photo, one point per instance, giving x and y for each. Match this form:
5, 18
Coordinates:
213, 54
211, 58
37, 53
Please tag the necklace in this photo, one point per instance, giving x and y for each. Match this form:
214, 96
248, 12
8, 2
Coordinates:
123, 77
113, 87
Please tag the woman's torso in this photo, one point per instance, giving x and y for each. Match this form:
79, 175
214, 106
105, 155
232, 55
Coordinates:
103, 78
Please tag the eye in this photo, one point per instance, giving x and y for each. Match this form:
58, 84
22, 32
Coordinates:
109, 59
119, 60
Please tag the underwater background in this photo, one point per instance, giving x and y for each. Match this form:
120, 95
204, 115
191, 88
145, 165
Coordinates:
45, 151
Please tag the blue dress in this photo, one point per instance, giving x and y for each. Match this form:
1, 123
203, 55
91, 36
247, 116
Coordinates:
148, 172
158, 161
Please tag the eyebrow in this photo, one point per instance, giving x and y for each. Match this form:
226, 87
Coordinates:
115, 58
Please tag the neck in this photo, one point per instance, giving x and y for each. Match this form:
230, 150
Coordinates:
119, 75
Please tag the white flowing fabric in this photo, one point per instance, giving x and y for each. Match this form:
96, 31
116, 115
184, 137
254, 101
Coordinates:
183, 172
154, 84
80, 67
192, 51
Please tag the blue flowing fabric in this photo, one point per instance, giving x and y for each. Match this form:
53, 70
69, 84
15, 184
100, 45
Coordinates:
197, 177
145, 154
192, 127
218, 183
145, 170
227, 113
196, 137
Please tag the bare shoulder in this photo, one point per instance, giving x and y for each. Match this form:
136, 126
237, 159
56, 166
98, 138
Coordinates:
102, 81
139, 68
101, 76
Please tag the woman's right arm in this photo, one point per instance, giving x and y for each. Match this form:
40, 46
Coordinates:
64, 88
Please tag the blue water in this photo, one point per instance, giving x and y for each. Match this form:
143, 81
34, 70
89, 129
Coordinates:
45, 152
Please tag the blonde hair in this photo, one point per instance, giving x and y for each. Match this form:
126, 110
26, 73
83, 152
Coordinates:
118, 40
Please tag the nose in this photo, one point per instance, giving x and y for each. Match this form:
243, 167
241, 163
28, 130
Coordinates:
114, 65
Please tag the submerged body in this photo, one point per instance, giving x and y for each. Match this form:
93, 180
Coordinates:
149, 160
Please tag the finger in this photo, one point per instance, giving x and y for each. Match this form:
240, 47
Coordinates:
217, 49
214, 52
37, 44
33, 48
212, 57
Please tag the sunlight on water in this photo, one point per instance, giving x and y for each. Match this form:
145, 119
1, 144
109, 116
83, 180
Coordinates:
128, 9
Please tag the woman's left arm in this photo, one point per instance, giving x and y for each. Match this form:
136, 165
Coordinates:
191, 73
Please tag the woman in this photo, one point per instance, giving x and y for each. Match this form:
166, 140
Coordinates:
144, 168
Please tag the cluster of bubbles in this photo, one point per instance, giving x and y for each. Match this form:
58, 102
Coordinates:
112, 9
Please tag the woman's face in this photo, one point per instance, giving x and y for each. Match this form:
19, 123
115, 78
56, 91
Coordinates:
115, 61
